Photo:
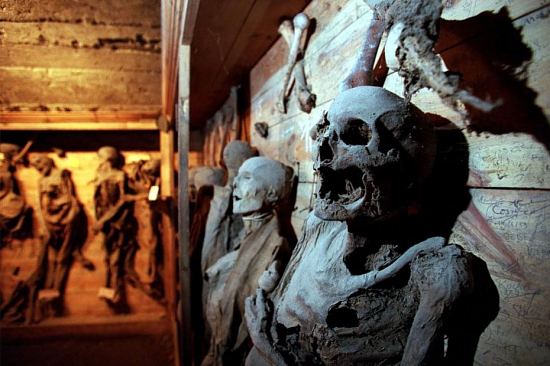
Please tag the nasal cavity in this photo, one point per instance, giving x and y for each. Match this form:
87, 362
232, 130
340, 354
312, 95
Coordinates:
325, 151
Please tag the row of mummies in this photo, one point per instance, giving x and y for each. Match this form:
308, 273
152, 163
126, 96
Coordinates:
124, 217
367, 283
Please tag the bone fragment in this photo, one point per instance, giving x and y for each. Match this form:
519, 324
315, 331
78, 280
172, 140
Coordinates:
373, 278
305, 97
362, 72
301, 23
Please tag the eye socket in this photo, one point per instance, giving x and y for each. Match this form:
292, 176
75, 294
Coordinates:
356, 132
245, 175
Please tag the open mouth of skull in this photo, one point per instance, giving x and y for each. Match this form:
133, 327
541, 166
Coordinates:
344, 186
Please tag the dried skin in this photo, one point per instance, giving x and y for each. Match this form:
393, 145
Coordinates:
418, 64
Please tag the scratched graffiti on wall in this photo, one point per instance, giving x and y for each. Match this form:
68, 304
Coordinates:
510, 230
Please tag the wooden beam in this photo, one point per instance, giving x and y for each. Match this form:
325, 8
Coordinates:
190, 11
168, 233
183, 199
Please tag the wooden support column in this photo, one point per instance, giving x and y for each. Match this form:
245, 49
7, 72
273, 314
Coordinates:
168, 230
183, 199
188, 20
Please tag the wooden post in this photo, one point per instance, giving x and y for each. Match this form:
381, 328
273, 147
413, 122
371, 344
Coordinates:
183, 200
167, 191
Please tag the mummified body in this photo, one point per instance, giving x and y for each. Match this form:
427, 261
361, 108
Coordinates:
143, 175
261, 184
222, 226
114, 219
13, 209
65, 227
365, 285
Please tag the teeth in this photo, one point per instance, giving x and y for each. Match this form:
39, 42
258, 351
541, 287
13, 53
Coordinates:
350, 197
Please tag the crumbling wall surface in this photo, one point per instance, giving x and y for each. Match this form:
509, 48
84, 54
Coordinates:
498, 47
65, 55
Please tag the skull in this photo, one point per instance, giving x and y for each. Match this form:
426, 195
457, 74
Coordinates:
209, 176
235, 153
151, 168
260, 185
8, 151
373, 151
110, 156
43, 164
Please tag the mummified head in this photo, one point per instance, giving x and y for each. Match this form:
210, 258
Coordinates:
111, 156
8, 151
260, 185
373, 152
151, 168
235, 153
43, 164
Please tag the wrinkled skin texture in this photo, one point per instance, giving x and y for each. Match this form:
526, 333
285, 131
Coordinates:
356, 290
260, 185
413, 27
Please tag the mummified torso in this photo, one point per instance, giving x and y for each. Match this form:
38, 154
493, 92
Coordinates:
324, 316
109, 190
58, 202
13, 209
114, 214
142, 176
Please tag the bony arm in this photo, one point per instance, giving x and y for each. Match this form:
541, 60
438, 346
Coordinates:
257, 315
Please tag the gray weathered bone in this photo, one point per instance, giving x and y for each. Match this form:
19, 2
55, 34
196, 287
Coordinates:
306, 98
301, 23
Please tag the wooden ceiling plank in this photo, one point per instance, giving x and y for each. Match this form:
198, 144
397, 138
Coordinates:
217, 30
257, 33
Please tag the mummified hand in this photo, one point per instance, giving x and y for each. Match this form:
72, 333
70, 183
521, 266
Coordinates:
258, 312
